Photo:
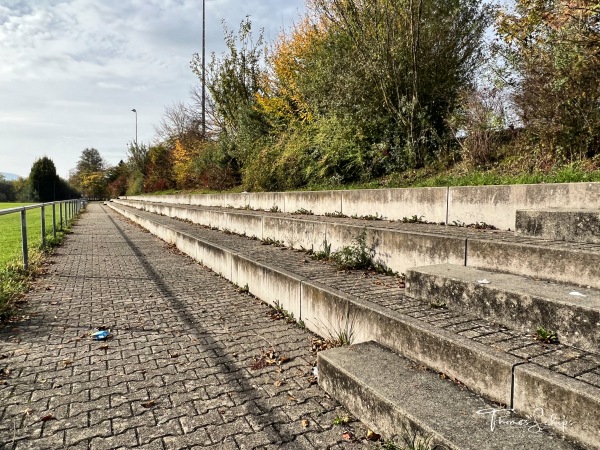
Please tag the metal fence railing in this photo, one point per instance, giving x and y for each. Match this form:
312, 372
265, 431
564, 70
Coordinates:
67, 210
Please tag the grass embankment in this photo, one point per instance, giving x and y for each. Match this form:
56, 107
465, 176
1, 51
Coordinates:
14, 279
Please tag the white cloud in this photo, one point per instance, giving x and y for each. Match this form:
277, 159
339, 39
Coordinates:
73, 69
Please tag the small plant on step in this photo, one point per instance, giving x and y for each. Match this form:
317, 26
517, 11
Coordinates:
368, 217
546, 336
244, 290
275, 242
341, 420
438, 304
341, 335
338, 214
355, 256
277, 312
274, 209
303, 211
414, 219
325, 253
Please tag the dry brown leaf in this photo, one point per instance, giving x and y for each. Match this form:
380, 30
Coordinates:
47, 417
149, 404
372, 436
291, 398
305, 423
66, 362
104, 347
279, 383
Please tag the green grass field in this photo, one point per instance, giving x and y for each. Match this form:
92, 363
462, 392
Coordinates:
10, 230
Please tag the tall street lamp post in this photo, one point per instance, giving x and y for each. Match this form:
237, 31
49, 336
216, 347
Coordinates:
134, 110
204, 69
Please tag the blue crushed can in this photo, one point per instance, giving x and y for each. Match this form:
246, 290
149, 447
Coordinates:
101, 335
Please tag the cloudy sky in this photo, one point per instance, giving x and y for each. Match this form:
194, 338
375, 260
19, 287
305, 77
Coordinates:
72, 70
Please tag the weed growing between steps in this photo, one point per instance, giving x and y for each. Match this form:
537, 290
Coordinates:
546, 336
357, 256
414, 219
337, 214
368, 217
302, 211
475, 226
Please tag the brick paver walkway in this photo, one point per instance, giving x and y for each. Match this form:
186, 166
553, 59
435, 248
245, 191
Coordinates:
188, 365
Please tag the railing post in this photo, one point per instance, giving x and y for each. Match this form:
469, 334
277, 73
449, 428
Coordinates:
54, 220
60, 207
24, 239
43, 212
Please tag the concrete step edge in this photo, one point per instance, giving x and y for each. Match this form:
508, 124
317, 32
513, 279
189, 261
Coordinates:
512, 300
396, 398
561, 224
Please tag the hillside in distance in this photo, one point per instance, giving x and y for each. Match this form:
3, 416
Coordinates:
9, 176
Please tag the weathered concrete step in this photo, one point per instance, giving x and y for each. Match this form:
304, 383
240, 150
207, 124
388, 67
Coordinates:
516, 302
460, 346
572, 225
400, 246
395, 397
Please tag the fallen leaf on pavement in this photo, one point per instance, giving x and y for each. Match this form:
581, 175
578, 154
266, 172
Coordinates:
372, 436
47, 417
149, 404
305, 423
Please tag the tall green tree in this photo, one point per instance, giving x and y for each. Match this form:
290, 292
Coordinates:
89, 176
90, 161
43, 180
7, 190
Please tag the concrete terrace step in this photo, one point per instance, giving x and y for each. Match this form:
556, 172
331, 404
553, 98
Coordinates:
396, 397
573, 225
401, 246
495, 205
507, 367
514, 301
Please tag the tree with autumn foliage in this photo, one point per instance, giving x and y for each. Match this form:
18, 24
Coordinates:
551, 49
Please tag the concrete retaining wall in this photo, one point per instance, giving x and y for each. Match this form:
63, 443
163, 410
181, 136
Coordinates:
494, 205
